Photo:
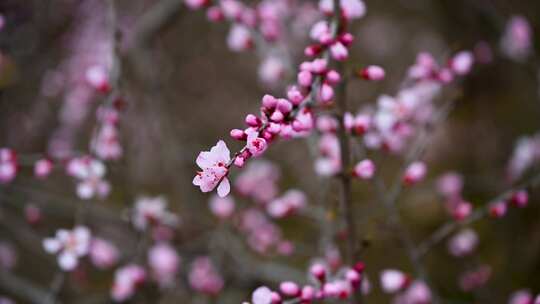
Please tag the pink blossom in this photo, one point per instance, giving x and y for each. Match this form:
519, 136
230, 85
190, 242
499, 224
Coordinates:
262, 295
272, 70
329, 163
8, 256
498, 209
32, 214
204, 278
103, 253
475, 278
290, 202
417, 293
164, 262
151, 211
239, 38
365, 169
290, 289
320, 29
339, 51
97, 77
8, 165
69, 245
526, 153
462, 63
259, 181
196, 4
351, 9
43, 167
520, 198
126, 281
318, 271
516, 42
222, 207
521, 297
90, 172
106, 143
214, 165
463, 243
232, 9
414, 173
256, 145
450, 185
393, 280
462, 210
372, 72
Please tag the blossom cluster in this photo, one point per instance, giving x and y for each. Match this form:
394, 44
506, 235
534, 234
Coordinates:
286, 117
326, 286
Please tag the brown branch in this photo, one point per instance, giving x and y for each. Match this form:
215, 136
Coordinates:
24, 289
480, 213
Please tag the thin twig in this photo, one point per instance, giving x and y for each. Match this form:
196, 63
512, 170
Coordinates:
480, 213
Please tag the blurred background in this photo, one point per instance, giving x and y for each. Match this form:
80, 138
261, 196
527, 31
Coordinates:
184, 89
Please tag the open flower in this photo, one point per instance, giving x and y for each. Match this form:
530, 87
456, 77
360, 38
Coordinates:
151, 211
214, 165
90, 172
69, 245
126, 281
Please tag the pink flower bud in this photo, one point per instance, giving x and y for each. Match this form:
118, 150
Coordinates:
253, 121
318, 271
462, 211
362, 123
308, 293
497, 209
364, 169
295, 96
520, 199
463, 243
196, 4
284, 106
393, 280
269, 101
305, 78
461, 63
222, 207
43, 168
277, 116
214, 14
98, 77
339, 51
347, 39
326, 93
333, 77
33, 214
326, 39
318, 66
414, 173
290, 289
239, 161
273, 128
353, 277
312, 50
238, 134
372, 72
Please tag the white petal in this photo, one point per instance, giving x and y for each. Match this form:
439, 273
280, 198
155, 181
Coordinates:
85, 190
262, 295
67, 261
51, 245
224, 187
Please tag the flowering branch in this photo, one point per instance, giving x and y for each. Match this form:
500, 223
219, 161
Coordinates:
491, 209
